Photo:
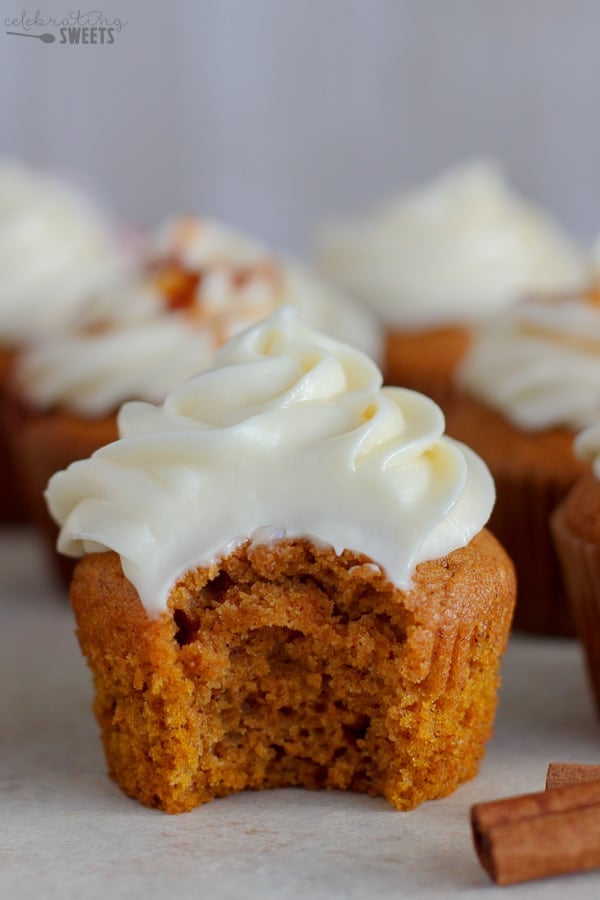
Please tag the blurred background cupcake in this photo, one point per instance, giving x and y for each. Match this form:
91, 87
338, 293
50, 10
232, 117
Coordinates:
576, 532
439, 259
55, 247
202, 283
529, 382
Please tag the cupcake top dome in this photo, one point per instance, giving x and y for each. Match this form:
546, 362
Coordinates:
539, 363
452, 252
291, 433
204, 282
55, 247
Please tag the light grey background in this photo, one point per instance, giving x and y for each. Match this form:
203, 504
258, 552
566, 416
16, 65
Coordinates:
275, 113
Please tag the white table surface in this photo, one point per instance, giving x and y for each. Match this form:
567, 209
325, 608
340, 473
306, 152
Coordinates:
67, 831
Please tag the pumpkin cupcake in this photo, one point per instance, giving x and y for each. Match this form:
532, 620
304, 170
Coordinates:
576, 531
530, 382
286, 580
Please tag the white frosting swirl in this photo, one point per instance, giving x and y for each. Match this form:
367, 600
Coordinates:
457, 250
587, 447
143, 350
539, 364
54, 248
291, 434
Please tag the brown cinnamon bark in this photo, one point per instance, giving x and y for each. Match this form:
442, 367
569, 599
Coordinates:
537, 835
560, 774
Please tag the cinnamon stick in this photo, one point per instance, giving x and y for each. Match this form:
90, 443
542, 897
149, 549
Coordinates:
559, 774
536, 835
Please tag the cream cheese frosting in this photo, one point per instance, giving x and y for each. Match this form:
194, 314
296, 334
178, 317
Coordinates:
54, 248
539, 364
587, 447
452, 252
134, 347
291, 433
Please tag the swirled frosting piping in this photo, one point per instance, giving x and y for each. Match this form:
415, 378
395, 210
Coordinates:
291, 433
539, 364
452, 252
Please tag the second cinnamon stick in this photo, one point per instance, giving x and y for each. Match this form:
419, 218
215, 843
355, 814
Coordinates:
560, 774
536, 835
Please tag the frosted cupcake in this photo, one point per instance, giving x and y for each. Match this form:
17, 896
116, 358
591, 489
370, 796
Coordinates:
576, 531
54, 248
440, 259
286, 581
204, 283
530, 382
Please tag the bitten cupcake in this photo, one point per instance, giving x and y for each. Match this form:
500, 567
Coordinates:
55, 247
286, 580
204, 282
530, 382
440, 259
576, 531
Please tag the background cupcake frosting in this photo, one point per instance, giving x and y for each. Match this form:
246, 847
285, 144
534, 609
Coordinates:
202, 283
539, 364
452, 252
56, 246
